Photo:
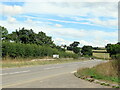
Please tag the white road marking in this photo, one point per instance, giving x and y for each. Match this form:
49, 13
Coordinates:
54, 67
4, 74
73, 71
15, 72
41, 81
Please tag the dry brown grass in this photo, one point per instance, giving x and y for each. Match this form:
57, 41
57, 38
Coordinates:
108, 69
8, 63
102, 55
99, 50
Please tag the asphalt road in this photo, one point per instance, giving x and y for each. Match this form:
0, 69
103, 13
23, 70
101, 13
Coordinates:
48, 76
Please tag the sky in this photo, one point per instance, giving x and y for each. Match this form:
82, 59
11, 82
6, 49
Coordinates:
90, 23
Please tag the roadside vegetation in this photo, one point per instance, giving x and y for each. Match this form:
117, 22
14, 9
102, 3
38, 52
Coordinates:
106, 71
28, 62
114, 50
22, 46
109, 71
25, 43
19, 50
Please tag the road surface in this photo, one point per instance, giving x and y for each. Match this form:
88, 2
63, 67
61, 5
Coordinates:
48, 76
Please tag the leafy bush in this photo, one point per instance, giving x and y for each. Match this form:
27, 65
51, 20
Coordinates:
117, 56
87, 50
113, 49
14, 50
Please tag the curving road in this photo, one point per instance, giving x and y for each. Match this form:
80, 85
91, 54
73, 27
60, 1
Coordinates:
48, 76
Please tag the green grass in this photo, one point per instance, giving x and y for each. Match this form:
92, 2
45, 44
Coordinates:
105, 71
10, 63
92, 73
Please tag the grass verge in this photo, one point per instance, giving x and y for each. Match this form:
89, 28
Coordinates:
21, 63
106, 71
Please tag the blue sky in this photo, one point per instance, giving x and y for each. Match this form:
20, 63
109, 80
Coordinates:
89, 23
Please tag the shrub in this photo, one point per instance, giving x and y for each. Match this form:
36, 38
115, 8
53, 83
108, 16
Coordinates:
14, 50
117, 56
87, 50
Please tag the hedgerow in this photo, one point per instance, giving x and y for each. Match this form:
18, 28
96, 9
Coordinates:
14, 50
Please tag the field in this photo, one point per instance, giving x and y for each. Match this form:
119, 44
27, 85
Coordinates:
99, 50
102, 55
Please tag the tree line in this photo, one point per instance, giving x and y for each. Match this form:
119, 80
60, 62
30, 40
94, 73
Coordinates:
27, 43
19, 50
27, 37
84, 51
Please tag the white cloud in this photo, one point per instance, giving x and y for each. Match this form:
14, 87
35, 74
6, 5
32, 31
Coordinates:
66, 35
69, 9
107, 23
94, 10
75, 33
78, 20
66, 9
96, 43
11, 20
64, 32
11, 10
58, 25
60, 41
83, 42
73, 8
61, 0
97, 21
66, 21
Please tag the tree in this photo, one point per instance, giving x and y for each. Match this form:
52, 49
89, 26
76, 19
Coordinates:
43, 39
87, 50
118, 43
108, 48
73, 47
76, 50
95, 48
25, 36
74, 44
113, 49
59, 48
29, 37
4, 32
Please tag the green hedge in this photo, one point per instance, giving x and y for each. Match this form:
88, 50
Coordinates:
117, 56
14, 50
